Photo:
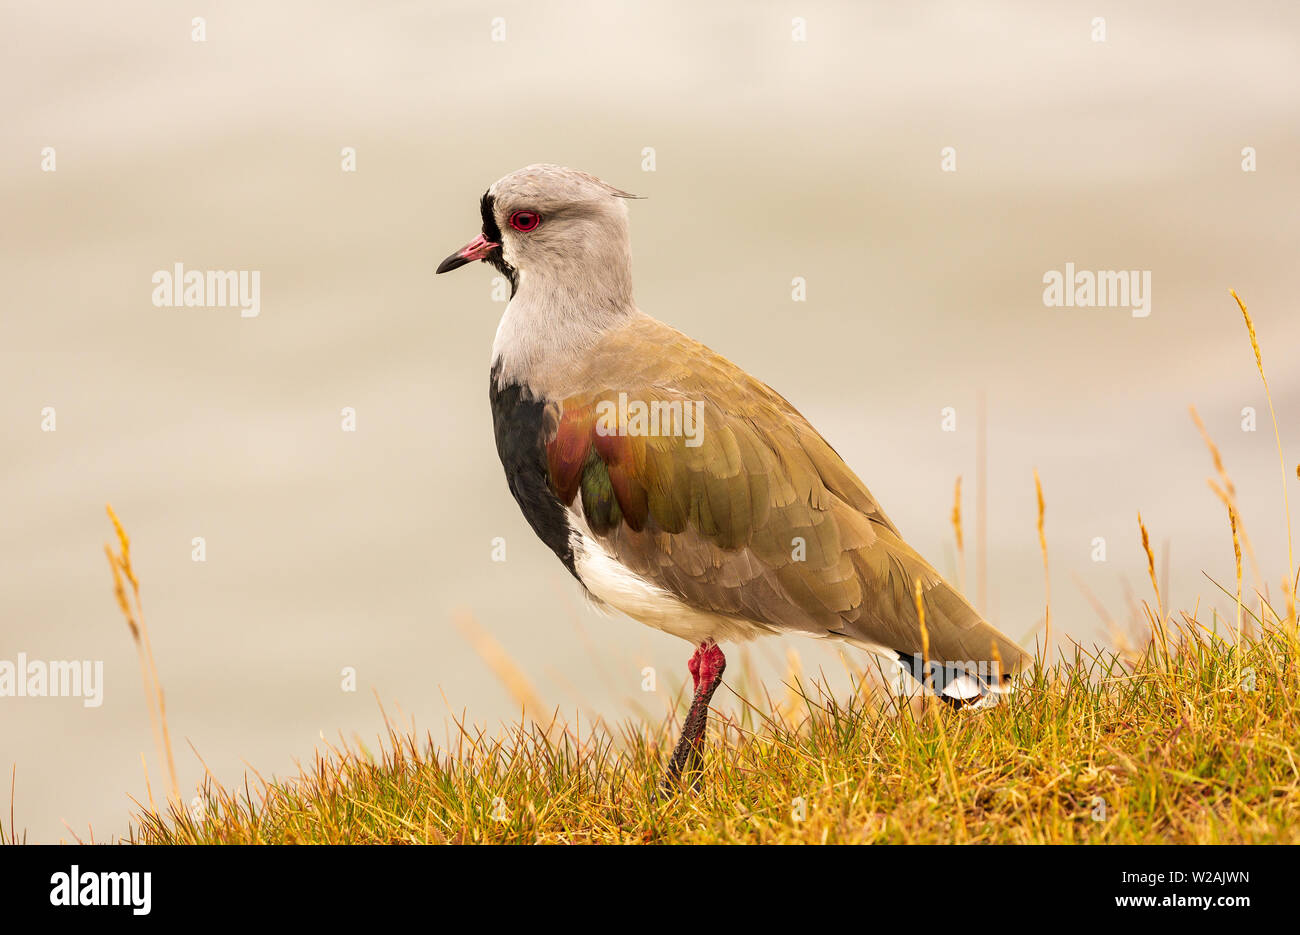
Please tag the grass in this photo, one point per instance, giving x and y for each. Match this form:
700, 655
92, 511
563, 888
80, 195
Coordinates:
1184, 734
133, 612
1191, 736
1095, 748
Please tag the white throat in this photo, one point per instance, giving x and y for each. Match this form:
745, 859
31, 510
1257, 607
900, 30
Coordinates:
552, 319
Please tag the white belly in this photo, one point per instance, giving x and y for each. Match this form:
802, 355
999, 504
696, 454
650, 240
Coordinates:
642, 600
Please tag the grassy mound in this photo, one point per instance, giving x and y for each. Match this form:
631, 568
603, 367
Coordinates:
1194, 745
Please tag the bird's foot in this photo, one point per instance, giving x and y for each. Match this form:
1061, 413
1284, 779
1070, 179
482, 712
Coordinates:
706, 666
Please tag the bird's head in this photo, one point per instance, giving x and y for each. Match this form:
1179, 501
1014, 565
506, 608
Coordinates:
549, 221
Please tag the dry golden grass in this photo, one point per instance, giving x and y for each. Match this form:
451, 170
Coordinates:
1047, 574
1183, 735
1289, 582
133, 610
956, 528
1096, 749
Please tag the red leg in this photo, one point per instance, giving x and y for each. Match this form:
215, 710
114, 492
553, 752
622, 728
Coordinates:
693, 665
706, 667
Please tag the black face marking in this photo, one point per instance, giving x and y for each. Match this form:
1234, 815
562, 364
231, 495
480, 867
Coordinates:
517, 418
493, 233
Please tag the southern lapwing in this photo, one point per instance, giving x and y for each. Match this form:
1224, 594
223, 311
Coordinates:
676, 487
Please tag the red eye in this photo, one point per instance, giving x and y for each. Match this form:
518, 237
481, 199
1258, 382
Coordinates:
525, 220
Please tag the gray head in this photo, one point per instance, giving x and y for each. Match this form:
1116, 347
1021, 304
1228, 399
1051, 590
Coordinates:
551, 223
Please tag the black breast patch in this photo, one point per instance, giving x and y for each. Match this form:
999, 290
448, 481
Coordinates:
517, 418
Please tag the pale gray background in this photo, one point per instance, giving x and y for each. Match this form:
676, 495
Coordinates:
775, 159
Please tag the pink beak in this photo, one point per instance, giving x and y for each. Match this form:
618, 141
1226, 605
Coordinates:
476, 249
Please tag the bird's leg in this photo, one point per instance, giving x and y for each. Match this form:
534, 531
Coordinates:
706, 667
694, 753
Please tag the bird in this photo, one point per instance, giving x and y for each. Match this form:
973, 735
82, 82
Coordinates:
677, 488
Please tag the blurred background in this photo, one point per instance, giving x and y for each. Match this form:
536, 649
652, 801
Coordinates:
773, 159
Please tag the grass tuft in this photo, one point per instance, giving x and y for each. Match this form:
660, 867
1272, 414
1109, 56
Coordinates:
1097, 748
1183, 735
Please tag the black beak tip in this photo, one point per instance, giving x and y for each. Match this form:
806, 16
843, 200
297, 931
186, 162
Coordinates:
455, 261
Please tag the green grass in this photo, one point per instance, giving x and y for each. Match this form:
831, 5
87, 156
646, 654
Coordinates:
1179, 750
1190, 738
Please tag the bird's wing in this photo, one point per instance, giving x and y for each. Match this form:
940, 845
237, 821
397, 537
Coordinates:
736, 505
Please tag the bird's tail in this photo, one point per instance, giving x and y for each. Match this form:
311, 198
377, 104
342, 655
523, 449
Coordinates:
961, 685
967, 661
